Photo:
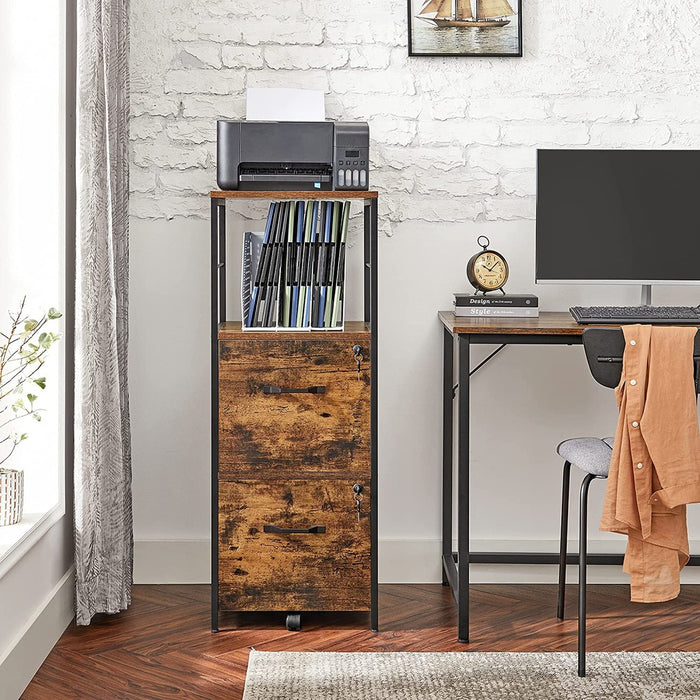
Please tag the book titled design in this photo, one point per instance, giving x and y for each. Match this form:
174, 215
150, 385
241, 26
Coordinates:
496, 300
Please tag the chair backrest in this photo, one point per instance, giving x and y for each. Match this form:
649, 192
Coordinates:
604, 348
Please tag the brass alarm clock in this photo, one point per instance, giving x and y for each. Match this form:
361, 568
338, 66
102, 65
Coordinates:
487, 270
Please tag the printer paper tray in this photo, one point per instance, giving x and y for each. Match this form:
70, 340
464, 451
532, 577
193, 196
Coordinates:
284, 178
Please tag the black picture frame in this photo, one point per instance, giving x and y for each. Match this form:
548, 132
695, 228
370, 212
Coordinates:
469, 54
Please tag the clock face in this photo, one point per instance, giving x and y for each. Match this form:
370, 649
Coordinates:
490, 270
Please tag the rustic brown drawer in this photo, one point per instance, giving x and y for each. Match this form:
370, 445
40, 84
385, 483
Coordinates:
263, 567
266, 432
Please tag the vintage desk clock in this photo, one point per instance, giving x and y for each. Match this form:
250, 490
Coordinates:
487, 270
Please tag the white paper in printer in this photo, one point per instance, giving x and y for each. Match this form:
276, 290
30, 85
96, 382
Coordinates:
285, 105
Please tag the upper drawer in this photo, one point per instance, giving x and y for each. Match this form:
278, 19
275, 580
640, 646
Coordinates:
270, 425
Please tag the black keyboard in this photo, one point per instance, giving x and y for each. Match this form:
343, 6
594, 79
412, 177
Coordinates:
672, 315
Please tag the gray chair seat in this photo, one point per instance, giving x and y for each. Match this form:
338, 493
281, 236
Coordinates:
591, 455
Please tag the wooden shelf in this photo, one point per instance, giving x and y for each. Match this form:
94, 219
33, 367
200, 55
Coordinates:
231, 330
310, 194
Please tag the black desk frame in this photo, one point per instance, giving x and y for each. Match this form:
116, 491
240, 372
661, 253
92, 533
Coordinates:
455, 565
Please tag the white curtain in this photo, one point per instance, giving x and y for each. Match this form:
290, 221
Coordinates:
103, 518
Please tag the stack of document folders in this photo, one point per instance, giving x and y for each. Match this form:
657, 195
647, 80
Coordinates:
498, 305
293, 275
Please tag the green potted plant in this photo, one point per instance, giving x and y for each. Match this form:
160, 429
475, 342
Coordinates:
22, 353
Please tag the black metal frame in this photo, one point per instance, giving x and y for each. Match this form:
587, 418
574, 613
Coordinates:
371, 315
218, 315
455, 565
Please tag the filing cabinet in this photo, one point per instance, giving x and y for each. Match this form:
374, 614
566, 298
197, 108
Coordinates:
294, 454
294, 471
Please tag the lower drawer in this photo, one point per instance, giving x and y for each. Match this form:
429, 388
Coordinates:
265, 565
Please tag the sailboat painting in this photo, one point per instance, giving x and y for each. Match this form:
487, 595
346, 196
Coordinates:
465, 28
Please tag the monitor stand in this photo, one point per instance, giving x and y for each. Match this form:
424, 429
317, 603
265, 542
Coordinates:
646, 295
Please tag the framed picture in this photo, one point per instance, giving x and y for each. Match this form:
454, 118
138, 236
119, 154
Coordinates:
465, 28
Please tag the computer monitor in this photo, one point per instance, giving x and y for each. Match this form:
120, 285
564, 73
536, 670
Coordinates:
618, 216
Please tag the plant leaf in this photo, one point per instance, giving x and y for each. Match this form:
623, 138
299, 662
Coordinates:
32, 397
41, 382
53, 313
30, 324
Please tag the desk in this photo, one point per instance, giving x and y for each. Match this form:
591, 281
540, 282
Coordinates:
550, 328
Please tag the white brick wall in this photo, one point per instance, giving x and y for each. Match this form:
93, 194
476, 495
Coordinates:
453, 139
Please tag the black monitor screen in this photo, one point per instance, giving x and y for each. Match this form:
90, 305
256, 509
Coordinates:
618, 216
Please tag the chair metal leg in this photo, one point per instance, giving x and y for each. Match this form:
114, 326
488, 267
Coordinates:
563, 536
582, 561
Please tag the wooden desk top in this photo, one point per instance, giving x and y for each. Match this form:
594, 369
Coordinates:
547, 323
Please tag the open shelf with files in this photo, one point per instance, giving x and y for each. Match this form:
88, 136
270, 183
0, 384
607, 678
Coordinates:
293, 449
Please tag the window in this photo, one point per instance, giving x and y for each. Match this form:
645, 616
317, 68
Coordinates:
32, 228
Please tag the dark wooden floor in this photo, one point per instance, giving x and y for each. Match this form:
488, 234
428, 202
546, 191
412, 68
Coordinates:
162, 648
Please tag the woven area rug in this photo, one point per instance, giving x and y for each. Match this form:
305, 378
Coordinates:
470, 676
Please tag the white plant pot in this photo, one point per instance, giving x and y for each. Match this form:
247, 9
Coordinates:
11, 496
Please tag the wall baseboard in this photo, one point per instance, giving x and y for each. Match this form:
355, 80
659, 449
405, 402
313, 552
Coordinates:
400, 561
23, 657
172, 561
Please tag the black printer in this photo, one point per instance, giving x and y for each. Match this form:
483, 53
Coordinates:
292, 155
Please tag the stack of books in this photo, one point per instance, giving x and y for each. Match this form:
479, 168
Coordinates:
498, 305
294, 274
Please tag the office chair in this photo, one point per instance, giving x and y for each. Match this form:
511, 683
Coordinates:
604, 348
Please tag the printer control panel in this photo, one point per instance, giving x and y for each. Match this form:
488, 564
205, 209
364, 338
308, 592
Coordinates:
352, 170
351, 156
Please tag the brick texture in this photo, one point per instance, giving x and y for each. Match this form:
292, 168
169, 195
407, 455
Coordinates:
452, 139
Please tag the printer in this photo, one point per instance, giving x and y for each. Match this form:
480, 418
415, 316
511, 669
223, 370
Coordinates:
291, 156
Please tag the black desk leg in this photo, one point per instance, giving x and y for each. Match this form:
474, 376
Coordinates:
447, 462
463, 490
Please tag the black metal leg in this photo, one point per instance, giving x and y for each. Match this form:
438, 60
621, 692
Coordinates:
563, 535
371, 218
367, 218
447, 417
582, 562
218, 296
463, 491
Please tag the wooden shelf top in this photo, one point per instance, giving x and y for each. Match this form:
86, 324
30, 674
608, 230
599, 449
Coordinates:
231, 330
547, 323
310, 194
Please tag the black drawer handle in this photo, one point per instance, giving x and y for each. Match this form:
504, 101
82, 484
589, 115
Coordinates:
271, 389
313, 530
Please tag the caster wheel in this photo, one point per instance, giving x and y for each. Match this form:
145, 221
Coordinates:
294, 623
